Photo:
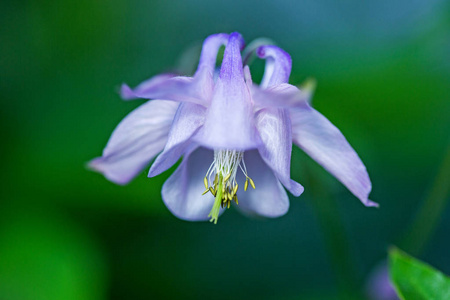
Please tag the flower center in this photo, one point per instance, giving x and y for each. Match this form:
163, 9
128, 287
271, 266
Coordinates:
220, 180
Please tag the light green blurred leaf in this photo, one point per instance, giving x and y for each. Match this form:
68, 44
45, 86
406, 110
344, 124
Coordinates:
44, 256
414, 280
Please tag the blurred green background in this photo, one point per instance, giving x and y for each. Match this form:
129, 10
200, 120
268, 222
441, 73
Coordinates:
383, 72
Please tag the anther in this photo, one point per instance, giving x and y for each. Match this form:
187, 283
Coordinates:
227, 177
235, 188
224, 186
252, 183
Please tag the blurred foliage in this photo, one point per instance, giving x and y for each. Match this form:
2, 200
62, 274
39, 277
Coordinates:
415, 280
383, 78
43, 256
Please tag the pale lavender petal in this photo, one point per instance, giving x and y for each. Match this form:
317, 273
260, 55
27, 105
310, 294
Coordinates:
127, 93
230, 121
269, 199
274, 91
232, 68
188, 119
182, 89
182, 192
210, 48
274, 127
281, 95
135, 141
321, 140
197, 89
249, 53
278, 65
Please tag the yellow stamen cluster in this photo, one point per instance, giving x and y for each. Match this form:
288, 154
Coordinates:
228, 190
224, 186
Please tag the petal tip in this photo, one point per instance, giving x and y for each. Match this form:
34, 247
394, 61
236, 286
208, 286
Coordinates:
94, 165
369, 203
300, 191
126, 92
296, 188
261, 52
239, 38
152, 172
98, 165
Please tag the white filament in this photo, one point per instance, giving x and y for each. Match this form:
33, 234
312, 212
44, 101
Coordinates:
226, 162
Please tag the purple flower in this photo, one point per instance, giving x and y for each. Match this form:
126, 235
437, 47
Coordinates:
231, 134
379, 286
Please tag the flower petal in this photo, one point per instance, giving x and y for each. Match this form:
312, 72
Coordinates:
182, 192
269, 199
210, 48
197, 89
230, 123
274, 91
281, 95
278, 65
321, 140
181, 89
188, 119
135, 141
274, 127
127, 93
249, 53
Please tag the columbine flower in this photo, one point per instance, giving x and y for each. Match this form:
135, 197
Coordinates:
232, 135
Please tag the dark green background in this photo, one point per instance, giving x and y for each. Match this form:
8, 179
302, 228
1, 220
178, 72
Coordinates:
383, 72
